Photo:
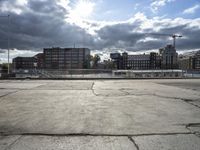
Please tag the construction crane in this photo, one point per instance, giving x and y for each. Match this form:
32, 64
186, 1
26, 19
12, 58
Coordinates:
174, 36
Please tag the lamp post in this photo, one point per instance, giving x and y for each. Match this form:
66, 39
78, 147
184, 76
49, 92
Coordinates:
8, 40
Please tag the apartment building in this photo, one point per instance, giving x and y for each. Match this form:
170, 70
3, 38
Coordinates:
24, 62
137, 62
196, 61
66, 58
189, 61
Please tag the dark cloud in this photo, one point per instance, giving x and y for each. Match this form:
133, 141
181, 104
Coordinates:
42, 23
123, 34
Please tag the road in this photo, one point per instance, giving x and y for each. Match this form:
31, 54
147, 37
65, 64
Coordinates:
100, 114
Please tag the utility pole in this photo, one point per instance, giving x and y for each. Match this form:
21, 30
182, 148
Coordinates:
8, 40
8, 44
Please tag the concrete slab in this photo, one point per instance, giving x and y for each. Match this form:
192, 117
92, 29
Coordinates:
72, 143
168, 142
185, 84
67, 85
107, 107
80, 111
6, 141
19, 85
143, 87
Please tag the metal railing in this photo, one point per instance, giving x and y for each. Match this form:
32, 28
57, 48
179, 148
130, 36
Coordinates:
99, 74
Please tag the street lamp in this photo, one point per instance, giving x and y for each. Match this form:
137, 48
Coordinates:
8, 40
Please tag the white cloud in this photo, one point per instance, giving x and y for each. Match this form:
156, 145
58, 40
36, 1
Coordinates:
147, 39
156, 4
16, 7
22, 2
191, 10
15, 53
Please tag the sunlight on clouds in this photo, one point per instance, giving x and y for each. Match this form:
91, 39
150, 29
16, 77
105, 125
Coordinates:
64, 4
82, 9
147, 39
79, 14
22, 2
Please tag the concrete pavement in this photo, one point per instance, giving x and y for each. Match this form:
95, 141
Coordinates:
103, 114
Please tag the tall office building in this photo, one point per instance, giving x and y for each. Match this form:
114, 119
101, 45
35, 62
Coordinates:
66, 58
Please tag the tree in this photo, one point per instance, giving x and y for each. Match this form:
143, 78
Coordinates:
95, 60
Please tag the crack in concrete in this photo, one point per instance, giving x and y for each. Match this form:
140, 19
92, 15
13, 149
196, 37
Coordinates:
129, 136
8, 94
58, 89
192, 125
9, 146
133, 141
188, 101
124, 91
187, 126
38, 86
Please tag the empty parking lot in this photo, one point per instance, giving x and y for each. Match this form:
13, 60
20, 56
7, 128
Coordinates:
100, 114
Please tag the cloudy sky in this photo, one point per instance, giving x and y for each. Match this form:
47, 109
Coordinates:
101, 25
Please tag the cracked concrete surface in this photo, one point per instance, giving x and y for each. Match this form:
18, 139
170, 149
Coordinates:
168, 142
102, 114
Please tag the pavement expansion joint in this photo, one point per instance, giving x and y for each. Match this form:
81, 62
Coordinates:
94, 135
